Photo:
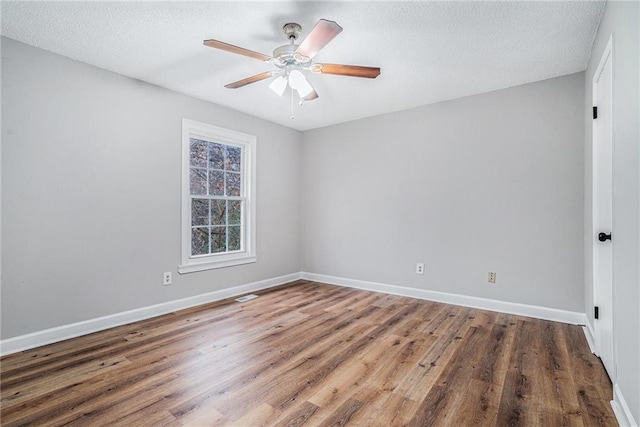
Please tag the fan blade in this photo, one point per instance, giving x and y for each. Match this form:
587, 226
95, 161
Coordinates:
349, 70
321, 34
249, 80
216, 44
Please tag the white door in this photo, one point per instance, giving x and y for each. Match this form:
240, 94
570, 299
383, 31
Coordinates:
603, 209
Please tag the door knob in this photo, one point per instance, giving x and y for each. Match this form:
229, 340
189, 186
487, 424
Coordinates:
603, 237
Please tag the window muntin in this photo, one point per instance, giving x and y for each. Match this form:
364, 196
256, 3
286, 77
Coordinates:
218, 213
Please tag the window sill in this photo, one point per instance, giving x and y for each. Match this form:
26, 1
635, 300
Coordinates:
210, 265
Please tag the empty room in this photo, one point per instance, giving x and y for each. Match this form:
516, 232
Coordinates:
320, 213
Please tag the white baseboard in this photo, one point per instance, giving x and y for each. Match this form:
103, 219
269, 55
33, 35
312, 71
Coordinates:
60, 333
621, 409
455, 299
589, 334
48, 336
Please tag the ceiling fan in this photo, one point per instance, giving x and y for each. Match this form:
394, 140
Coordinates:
291, 59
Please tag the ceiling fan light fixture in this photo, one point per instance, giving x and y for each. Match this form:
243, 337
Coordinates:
278, 85
298, 82
310, 97
305, 90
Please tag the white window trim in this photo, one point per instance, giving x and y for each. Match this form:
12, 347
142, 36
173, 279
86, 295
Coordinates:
191, 129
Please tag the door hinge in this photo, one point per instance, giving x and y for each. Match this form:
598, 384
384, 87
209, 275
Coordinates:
595, 112
596, 312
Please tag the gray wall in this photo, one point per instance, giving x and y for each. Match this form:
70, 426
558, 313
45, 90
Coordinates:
91, 193
622, 19
492, 182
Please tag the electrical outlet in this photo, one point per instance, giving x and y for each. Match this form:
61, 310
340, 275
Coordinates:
419, 268
166, 278
492, 277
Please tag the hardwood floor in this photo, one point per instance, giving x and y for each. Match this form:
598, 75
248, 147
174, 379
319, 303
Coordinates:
314, 354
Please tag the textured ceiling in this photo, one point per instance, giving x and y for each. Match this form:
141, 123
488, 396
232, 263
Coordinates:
428, 51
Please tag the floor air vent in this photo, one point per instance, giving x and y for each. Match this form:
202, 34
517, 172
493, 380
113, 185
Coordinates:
246, 298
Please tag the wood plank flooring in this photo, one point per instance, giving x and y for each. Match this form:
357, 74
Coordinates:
317, 355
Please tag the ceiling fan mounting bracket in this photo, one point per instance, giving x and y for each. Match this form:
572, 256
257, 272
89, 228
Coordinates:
292, 30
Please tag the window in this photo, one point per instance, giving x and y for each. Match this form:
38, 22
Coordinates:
218, 211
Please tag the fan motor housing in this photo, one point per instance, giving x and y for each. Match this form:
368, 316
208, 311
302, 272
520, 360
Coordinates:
285, 52
287, 56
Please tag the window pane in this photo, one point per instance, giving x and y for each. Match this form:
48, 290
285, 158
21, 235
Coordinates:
234, 238
234, 154
235, 212
198, 181
218, 239
233, 183
216, 156
199, 241
199, 212
198, 152
218, 212
216, 183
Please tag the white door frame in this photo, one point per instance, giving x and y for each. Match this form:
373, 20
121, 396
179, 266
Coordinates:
607, 54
